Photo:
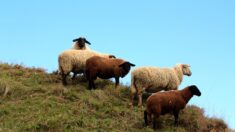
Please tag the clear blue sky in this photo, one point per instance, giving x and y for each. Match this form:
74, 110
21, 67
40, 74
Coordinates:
147, 33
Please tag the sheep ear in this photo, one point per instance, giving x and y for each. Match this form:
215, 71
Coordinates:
123, 64
87, 42
131, 64
75, 39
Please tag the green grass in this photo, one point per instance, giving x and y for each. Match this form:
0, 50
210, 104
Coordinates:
37, 101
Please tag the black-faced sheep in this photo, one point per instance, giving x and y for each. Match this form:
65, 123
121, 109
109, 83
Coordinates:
161, 103
106, 68
75, 60
80, 44
154, 79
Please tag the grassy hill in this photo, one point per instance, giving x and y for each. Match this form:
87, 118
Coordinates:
33, 100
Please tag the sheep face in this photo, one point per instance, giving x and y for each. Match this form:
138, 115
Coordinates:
125, 68
186, 70
81, 42
195, 90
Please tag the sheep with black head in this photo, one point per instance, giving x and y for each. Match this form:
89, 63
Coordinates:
172, 101
106, 68
154, 79
80, 44
75, 60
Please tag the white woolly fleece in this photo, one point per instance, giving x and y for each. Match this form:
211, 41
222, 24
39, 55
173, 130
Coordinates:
75, 46
75, 60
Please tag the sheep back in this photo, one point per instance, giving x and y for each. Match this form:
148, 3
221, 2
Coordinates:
106, 67
75, 60
156, 78
165, 102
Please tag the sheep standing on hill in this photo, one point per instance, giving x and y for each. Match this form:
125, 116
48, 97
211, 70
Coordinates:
80, 44
166, 102
106, 68
154, 79
75, 60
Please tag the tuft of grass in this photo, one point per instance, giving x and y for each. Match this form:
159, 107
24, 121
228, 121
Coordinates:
37, 101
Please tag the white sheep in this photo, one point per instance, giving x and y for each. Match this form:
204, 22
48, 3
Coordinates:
75, 60
80, 44
155, 79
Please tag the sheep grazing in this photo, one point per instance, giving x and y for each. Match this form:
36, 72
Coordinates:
154, 79
106, 68
75, 60
80, 44
166, 102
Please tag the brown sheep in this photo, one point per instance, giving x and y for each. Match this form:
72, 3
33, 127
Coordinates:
106, 68
166, 102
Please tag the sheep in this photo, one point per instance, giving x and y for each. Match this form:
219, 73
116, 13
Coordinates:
106, 68
74, 61
161, 103
80, 44
154, 79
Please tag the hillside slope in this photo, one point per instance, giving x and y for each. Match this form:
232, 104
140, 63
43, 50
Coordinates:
33, 100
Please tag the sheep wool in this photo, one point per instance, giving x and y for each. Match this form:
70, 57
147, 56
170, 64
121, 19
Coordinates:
106, 68
168, 102
75, 61
75, 46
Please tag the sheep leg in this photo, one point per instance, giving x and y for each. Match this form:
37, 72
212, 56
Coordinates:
74, 75
90, 77
154, 122
117, 81
140, 99
91, 84
132, 99
149, 118
64, 78
176, 115
146, 118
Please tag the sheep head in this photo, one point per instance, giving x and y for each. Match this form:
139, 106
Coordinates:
125, 68
81, 41
186, 69
194, 90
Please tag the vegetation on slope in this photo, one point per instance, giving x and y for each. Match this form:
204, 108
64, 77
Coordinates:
33, 100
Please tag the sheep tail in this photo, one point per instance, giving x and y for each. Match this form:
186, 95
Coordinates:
133, 89
133, 85
61, 70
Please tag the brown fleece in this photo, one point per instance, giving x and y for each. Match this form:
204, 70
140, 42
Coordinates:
106, 68
170, 101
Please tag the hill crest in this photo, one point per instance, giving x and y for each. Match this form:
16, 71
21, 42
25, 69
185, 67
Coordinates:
33, 100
